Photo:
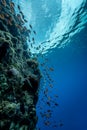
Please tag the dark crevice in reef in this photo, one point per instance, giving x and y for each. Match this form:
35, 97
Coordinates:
19, 73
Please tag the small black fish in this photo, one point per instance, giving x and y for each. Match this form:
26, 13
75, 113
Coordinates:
56, 104
19, 8
22, 14
61, 124
29, 40
30, 26
25, 20
48, 103
48, 110
32, 38
48, 41
29, 31
34, 32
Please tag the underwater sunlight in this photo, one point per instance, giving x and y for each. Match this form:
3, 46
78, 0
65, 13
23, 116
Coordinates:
55, 22
43, 64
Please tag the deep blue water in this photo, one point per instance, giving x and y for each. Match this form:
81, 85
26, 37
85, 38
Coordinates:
70, 83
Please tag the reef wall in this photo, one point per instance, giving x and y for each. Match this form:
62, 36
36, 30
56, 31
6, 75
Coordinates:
19, 73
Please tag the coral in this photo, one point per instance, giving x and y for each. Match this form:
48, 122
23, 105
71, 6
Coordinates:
19, 73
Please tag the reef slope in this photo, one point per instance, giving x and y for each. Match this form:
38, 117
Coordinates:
19, 73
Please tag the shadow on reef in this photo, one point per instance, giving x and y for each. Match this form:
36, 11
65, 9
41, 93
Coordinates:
19, 73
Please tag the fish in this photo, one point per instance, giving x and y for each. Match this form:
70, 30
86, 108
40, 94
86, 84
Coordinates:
24, 28
9, 22
29, 40
49, 98
19, 8
56, 104
19, 18
37, 48
32, 38
50, 85
7, 15
48, 110
34, 32
46, 91
48, 103
48, 115
19, 27
29, 30
61, 124
51, 69
47, 123
23, 17
2, 16
42, 115
31, 45
30, 26
4, 2
25, 20
48, 41
42, 64
12, 5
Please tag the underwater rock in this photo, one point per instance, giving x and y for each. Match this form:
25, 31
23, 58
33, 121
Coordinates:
19, 73
12, 72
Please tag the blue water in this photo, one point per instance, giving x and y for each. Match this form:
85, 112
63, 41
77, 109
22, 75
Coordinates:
64, 24
70, 83
55, 21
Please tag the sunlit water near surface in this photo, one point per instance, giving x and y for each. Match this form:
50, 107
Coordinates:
55, 22
61, 39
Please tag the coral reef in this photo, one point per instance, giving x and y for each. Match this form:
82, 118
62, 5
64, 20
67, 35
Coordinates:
19, 73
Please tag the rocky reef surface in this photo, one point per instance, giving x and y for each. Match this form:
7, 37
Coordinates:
19, 73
